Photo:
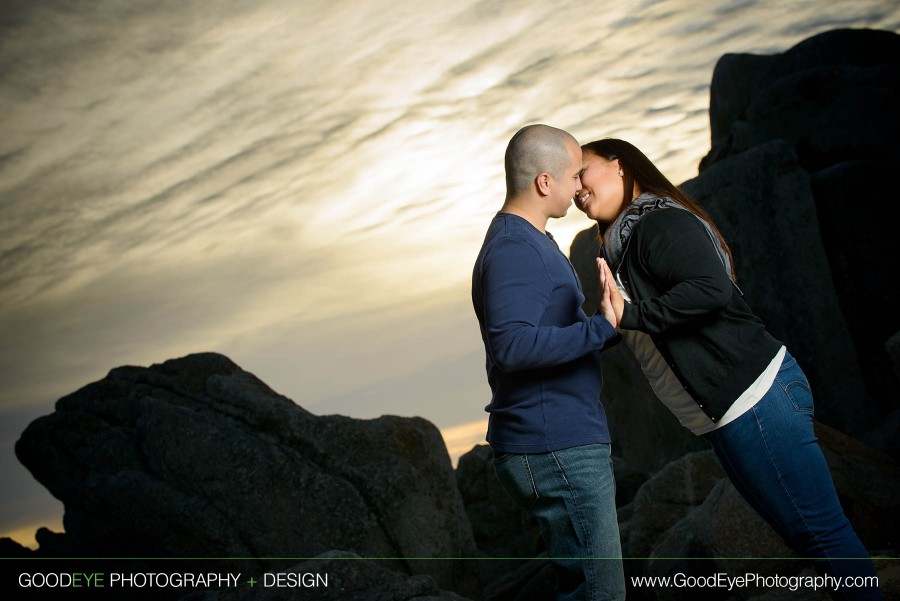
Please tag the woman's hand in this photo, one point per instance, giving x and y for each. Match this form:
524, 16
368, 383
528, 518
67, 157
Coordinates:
605, 307
612, 305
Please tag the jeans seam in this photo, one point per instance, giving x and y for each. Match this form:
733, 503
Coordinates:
534, 490
784, 487
589, 550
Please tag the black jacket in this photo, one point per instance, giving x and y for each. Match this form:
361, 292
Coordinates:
683, 298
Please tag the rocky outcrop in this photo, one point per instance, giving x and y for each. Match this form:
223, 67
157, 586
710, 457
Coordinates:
868, 485
689, 519
799, 141
666, 498
198, 458
892, 346
832, 97
832, 100
500, 528
763, 203
10, 548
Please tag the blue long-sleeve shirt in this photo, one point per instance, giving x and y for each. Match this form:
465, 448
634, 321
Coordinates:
542, 351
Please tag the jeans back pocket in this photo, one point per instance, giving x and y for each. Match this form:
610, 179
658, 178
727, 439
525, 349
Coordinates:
514, 474
795, 385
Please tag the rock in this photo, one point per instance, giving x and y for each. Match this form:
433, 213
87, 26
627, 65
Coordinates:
738, 539
677, 556
797, 140
628, 481
51, 543
889, 579
690, 520
348, 578
725, 536
892, 347
10, 548
832, 97
198, 458
583, 254
861, 252
535, 580
762, 202
735, 79
636, 417
867, 480
500, 528
668, 497
884, 435
868, 485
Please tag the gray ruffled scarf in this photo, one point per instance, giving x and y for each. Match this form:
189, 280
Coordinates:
616, 238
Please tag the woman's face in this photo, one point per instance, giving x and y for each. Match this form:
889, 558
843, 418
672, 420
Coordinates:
602, 188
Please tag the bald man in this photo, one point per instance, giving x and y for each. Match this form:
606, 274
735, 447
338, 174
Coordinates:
547, 427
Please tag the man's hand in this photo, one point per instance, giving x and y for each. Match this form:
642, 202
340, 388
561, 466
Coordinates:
612, 305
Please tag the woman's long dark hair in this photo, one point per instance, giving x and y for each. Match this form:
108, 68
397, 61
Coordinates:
638, 168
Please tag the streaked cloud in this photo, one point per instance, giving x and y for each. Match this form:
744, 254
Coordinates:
303, 185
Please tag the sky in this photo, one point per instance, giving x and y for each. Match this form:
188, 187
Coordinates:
303, 185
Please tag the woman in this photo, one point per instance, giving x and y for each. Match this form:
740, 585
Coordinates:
709, 358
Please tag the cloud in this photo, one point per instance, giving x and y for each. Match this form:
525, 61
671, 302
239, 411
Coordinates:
304, 186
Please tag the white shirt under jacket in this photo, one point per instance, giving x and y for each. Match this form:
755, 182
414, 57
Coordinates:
668, 388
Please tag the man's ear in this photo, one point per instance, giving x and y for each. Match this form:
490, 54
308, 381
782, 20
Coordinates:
542, 182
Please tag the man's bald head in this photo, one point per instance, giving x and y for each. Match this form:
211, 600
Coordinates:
535, 149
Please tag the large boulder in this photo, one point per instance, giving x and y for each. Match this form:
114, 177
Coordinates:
832, 97
197, 458
799, 141
864, 260
671, 494
720, 536
500, 528
688, 519
868, 485
762, 202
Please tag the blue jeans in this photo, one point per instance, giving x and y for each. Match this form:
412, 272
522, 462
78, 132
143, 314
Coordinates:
572, 494
772, 457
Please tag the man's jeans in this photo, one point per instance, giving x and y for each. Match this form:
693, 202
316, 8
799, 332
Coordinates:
573, 496
773, 459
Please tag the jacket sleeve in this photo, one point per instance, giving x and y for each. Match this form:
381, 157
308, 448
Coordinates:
517, 291
672, 245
